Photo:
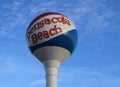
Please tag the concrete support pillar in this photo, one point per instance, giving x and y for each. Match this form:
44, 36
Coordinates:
51, 68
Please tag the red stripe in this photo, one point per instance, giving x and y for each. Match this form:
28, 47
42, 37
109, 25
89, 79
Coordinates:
42, 15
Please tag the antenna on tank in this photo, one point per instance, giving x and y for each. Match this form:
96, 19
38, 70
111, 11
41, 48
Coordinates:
52, 38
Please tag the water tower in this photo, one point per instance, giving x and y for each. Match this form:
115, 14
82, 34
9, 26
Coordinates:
51, 38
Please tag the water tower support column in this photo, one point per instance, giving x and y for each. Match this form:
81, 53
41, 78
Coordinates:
51, 68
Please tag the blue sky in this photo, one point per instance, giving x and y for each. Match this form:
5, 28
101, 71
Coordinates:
94, 63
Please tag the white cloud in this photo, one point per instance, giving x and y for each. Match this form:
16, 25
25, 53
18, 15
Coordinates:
112, 67
3, 32
13, 65
86, 77
7, 66
80, 72
17, 15
106, 82
16, 3
38, 82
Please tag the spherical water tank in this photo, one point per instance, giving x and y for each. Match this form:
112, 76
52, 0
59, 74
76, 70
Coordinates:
51, 36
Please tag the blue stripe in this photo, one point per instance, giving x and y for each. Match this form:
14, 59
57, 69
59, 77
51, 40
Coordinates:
67, 41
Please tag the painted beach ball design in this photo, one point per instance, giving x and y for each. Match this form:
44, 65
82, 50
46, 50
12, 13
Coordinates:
51, 36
